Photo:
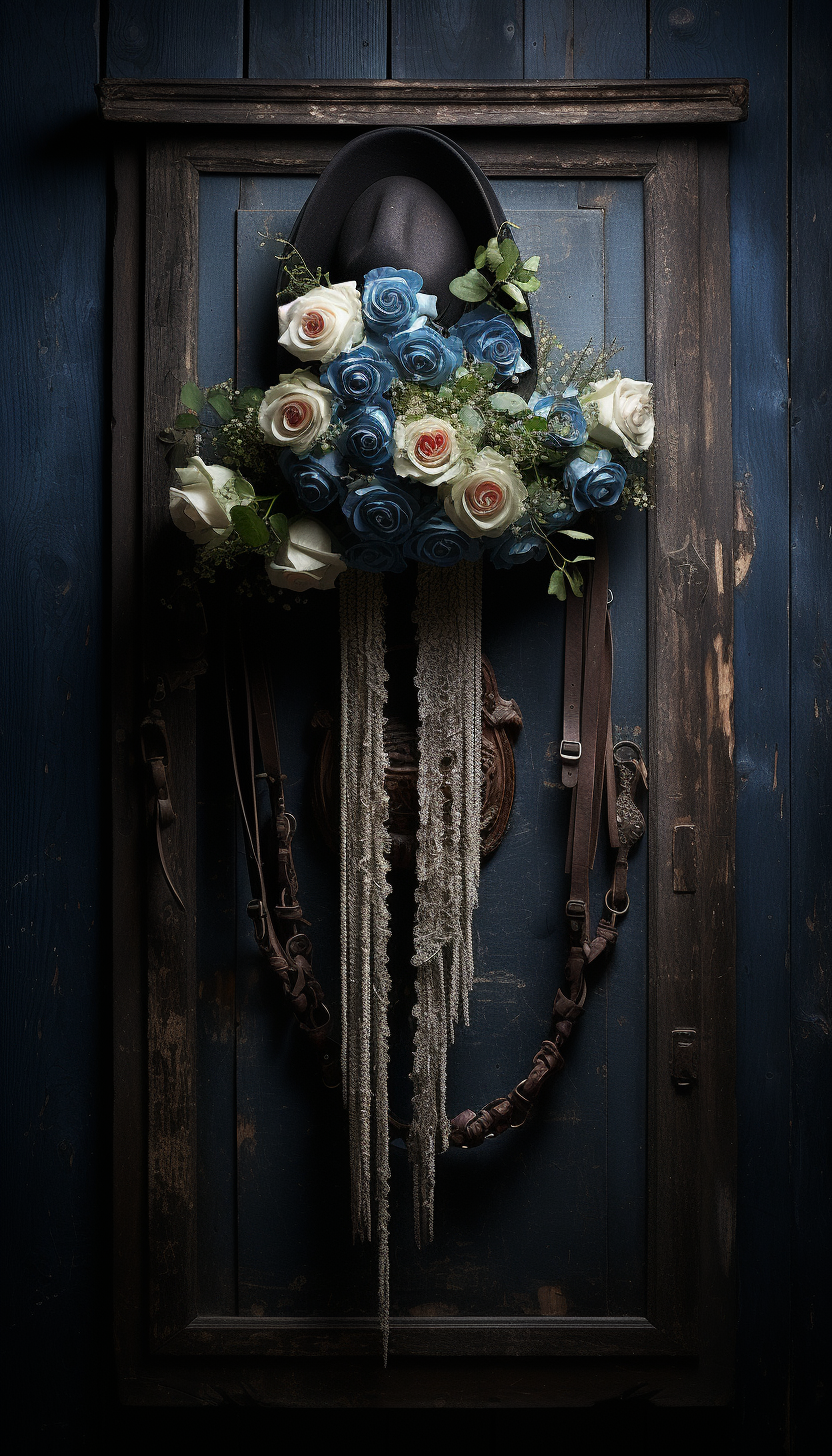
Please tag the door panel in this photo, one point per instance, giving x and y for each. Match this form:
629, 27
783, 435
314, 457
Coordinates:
547, 1220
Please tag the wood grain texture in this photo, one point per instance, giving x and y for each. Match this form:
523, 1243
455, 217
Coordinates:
692, 937
706, 39
186, 38
457, 40
55, 1007
128, 807
170, 358
522, 152
585, 39
811, 711
424, 102
328, 38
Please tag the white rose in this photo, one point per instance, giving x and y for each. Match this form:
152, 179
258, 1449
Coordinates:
305, 561
427, 450
194, 506
625, 413
323, 323
295, 411
487, 500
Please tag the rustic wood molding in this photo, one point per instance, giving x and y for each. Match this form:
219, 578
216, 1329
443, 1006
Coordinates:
421, 103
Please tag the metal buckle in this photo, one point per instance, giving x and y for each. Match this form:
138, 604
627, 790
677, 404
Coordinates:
569, 750
575, 909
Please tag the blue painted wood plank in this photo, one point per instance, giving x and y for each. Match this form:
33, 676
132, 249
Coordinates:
740, 39
54, 1018
219, 199
175, 38
585, 40
460, 40
548, 40
625, 983
610, 40
328, 38
811, 721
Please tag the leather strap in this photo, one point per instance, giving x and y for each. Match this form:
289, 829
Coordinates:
588, 659
570, 745
274, 910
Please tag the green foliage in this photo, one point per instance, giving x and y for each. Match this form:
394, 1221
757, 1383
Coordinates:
192, 397
499, 276
250, 527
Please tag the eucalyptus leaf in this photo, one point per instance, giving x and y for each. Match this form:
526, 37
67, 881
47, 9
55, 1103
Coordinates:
251, 530
514, 292
528, 286
503, 272
575, 580
557, 586
192, 397
279, 524
522, 328
589, 453
187, 422
535, 423
583, 558
531, 265
479, 257
221, 404
250, 397
510, 251
485, 370
468, 386
494, 253
244, 489
504, 402
471, 287
576, 535
471, 418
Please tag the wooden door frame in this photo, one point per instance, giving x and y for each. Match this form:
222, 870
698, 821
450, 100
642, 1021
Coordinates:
171, 133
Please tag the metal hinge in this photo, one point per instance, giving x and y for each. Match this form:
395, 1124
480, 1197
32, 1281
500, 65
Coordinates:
684, 1057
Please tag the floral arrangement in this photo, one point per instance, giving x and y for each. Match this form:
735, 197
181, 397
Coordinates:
396, 440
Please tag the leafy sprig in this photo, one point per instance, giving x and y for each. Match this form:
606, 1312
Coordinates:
500, 278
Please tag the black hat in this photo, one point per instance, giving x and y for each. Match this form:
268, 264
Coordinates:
401, 197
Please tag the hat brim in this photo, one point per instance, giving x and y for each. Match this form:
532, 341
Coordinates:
398, 151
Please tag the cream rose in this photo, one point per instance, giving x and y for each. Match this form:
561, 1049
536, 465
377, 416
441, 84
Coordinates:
194, 504
296, 411
305, 561
427, 450
489, 498
323, 323
625, 413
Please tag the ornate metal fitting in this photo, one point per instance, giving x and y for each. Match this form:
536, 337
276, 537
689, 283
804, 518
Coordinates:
628, 768
500, 717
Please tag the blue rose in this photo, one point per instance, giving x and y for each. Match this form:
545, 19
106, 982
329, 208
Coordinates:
488, 335
424, 356
567, 427
436, 541
375, 556
510, 550
359, 376
380, 511
367, 437
315, 479
597, 486
391, 300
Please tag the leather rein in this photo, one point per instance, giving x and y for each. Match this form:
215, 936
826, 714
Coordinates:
590, 767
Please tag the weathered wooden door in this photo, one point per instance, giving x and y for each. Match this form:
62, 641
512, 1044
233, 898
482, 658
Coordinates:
550, 1220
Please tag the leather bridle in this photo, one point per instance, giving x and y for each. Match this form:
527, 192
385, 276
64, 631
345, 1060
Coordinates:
590, 766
